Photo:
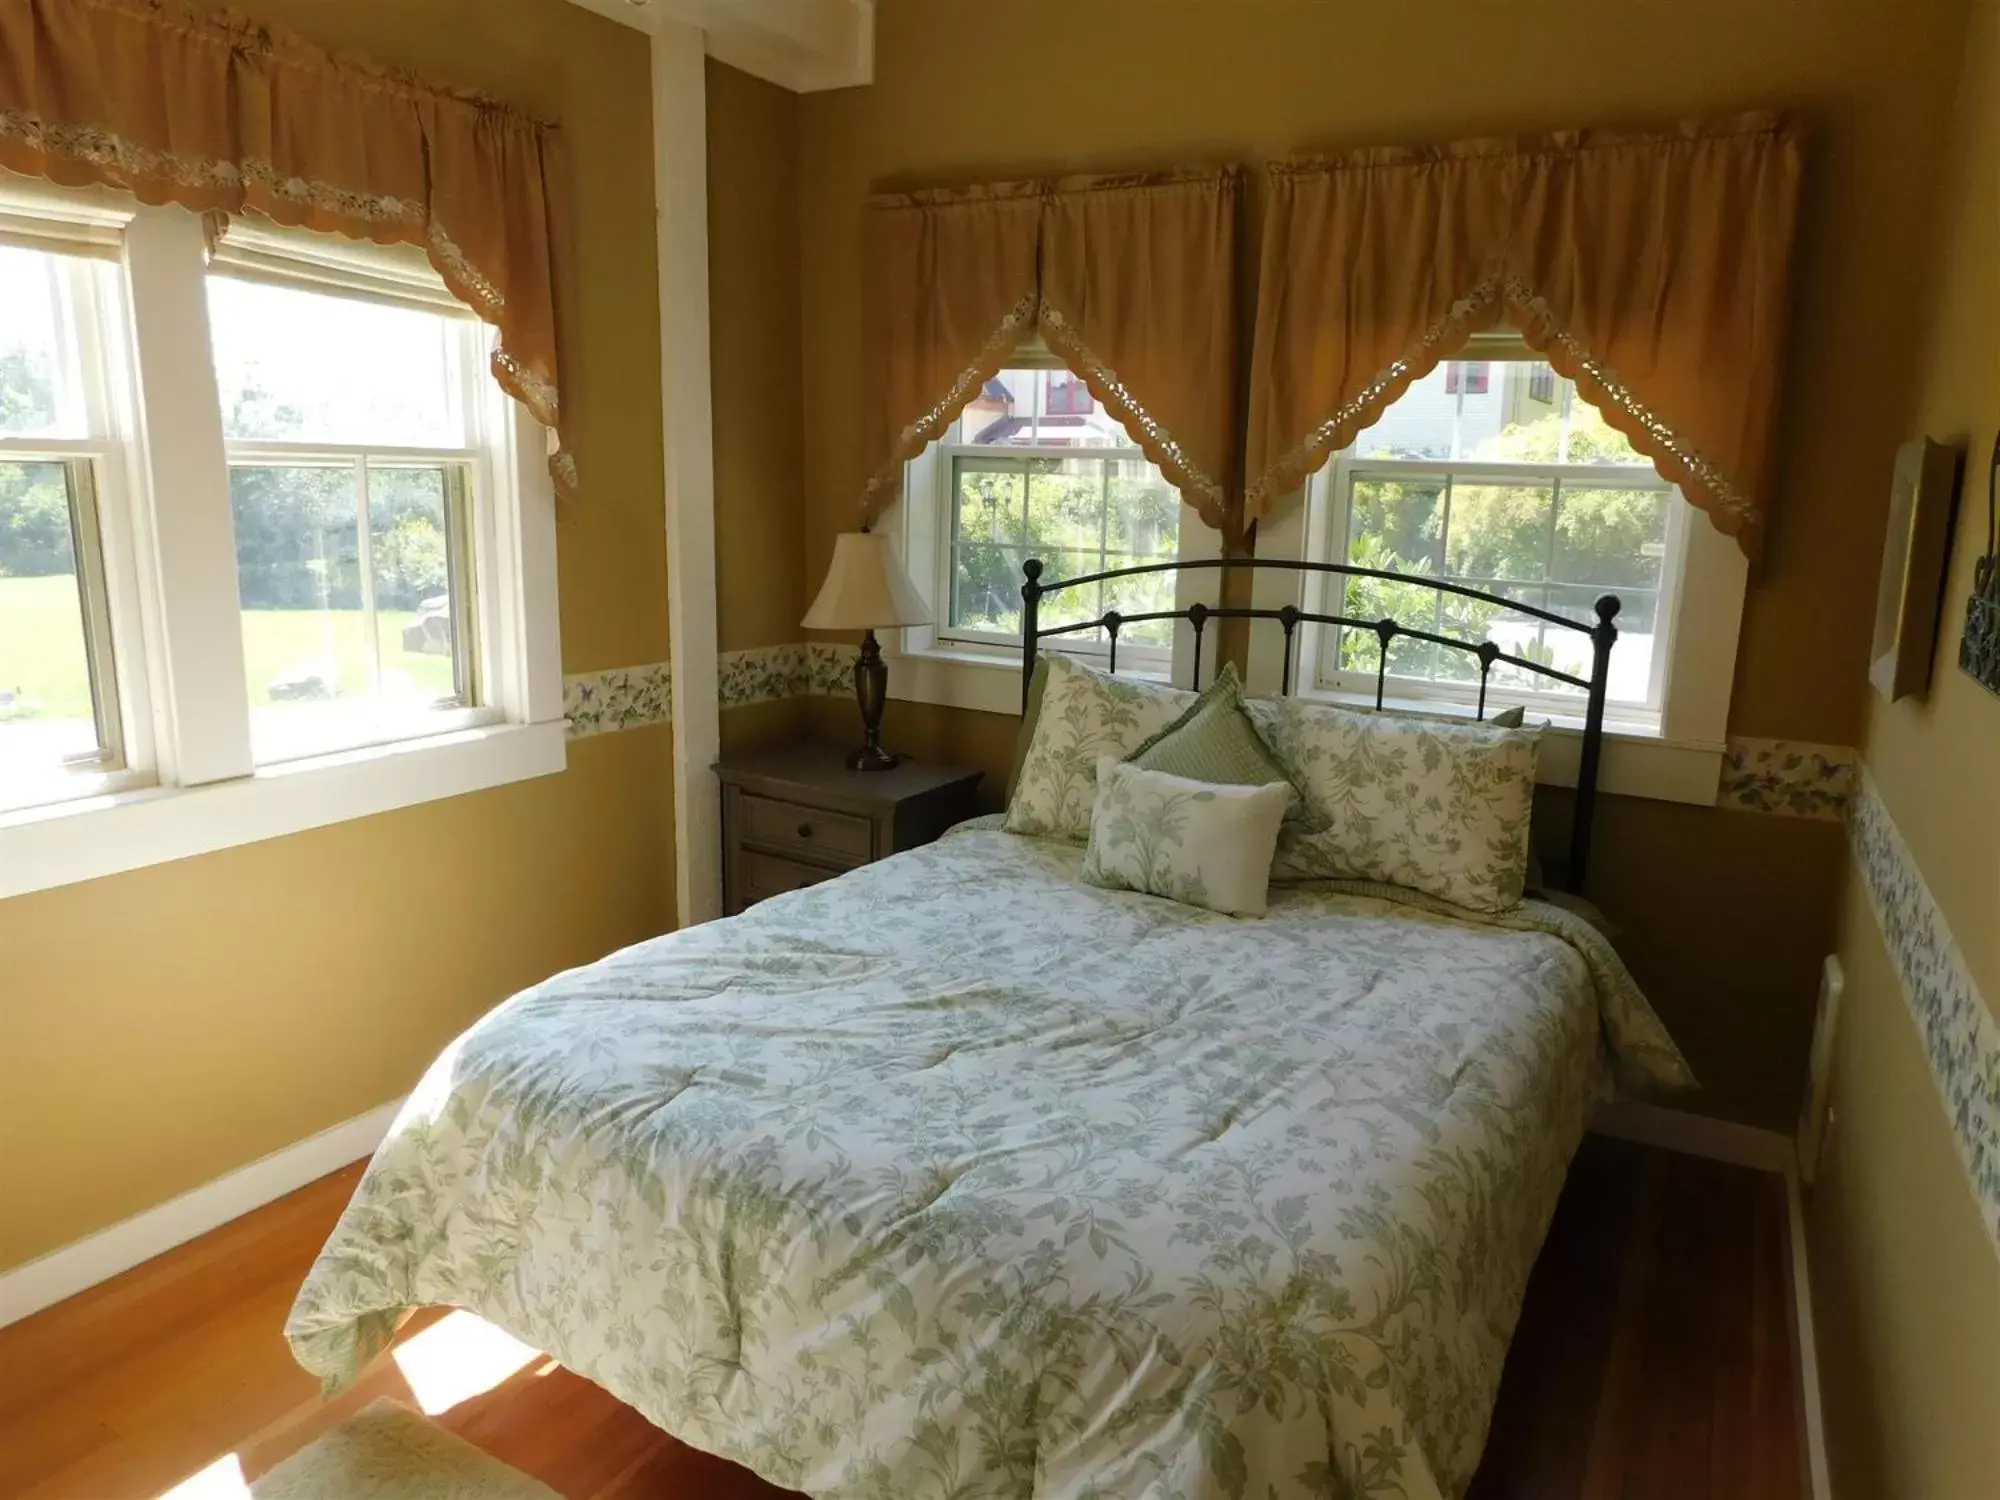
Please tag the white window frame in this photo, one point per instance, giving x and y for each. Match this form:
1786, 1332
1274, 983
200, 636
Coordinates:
1673, 751
964, 669
1329, 533
189, 784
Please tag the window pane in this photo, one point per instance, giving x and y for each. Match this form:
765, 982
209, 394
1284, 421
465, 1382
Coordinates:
302, 366
298, 576
40, 393
323, 673
989, 503
986, 588
1499, 530
47, 711
1066, 506
1611, 537
416, 603
1397, 525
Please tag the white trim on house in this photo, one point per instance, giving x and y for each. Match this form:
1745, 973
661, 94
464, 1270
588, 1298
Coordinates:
680, 185
84, 1263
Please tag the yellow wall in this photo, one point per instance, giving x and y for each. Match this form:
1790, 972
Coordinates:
1906, 1281
966, 92
162, 1027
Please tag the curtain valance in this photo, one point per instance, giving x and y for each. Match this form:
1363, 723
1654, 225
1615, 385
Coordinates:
1651, 268
217, 114
1129, 279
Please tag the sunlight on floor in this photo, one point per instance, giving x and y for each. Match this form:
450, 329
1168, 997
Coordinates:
221, 1480
457, 1358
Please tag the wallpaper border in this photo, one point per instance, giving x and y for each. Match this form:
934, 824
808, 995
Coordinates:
1791, 778
1960, 1033
618, 698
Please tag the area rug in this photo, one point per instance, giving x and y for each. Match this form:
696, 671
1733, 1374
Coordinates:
388, 1452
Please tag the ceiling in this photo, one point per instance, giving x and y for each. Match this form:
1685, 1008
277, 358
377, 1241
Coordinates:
802, 45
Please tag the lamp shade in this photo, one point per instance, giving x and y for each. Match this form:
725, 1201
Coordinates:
866, 588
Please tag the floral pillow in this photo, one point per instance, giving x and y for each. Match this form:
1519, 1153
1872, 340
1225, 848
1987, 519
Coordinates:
1437, 807
1201, 843
1084, 716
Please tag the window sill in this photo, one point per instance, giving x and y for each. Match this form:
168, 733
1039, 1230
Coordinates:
63, 843
959, 678
1639, 761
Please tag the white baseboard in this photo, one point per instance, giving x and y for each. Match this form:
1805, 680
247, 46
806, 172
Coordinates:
98, 1257
1698, 1135
1818, 1476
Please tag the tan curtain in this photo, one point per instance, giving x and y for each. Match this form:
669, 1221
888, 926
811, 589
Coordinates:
1129, 279
1653, 269
951, 290
220, 115
1139, 298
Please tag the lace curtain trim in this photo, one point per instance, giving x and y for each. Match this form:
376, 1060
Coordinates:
208, 185
1154, 440
1705, 486
887, 480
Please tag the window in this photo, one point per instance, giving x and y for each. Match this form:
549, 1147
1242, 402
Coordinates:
59, 701
352, 464
1034, 467
275, 550
1516, 487
1466, 377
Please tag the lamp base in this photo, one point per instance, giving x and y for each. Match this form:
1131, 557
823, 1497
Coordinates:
873, 758
871, 691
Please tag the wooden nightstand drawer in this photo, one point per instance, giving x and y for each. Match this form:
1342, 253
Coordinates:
811, 831
766, 875
795, 815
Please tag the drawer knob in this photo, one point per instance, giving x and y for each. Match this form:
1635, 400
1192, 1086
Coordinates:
805, 830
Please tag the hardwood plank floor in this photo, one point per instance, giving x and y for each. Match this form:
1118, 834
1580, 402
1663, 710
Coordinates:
1653, 1360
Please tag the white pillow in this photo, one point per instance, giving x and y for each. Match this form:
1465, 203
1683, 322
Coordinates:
1435, 806
1201, 843
1083, 715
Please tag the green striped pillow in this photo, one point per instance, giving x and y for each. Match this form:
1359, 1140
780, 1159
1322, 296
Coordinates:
1215, 741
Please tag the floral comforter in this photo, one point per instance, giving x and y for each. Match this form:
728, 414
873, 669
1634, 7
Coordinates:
959, 1178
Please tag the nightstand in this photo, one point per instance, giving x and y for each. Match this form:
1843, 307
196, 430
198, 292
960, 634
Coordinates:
795, 816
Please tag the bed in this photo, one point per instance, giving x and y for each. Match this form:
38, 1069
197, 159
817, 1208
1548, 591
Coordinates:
959, 1177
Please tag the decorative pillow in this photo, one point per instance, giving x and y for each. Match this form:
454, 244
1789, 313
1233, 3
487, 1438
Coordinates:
1084, 714
1439, 807
1215, 741
1197, 842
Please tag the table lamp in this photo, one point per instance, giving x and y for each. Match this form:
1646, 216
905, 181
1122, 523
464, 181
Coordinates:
866, 589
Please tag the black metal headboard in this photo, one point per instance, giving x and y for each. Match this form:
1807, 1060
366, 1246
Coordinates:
1602, 635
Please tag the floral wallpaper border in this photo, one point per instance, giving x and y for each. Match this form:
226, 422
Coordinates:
618, 698
633, 697
1790, 778
1960, 1033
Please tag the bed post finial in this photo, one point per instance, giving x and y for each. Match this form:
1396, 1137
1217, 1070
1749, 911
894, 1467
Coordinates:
1603, 635
1031, 596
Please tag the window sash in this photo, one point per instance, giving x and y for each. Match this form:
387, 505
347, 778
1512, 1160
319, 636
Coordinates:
458, 468
999, 458
93, 600
1347, 471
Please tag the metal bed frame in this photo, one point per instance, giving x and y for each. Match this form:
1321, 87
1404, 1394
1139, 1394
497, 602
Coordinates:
1603, 635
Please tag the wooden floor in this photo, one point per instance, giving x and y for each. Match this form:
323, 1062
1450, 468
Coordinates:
1653, 1359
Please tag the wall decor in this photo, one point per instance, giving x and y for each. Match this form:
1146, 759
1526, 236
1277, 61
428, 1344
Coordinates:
1923, 508
1979, 647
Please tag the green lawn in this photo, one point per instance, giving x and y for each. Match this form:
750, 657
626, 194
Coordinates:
41, 648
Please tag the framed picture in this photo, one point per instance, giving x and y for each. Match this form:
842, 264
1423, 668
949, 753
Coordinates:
1923, 506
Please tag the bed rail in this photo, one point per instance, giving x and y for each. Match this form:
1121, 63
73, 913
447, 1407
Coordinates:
1603, 634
